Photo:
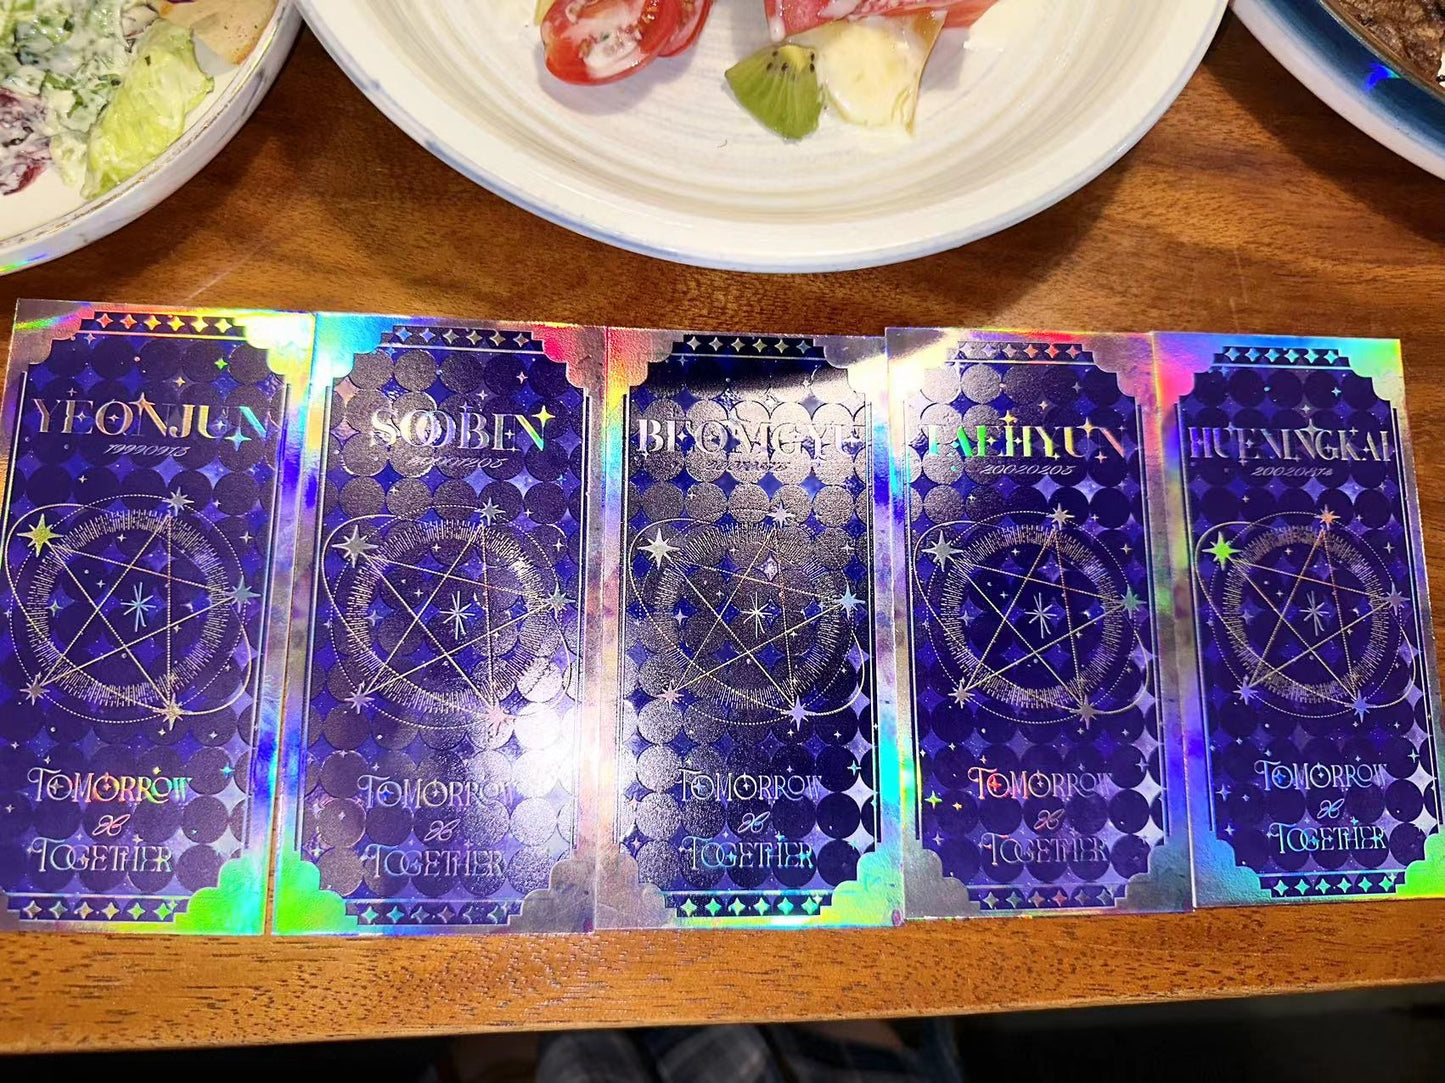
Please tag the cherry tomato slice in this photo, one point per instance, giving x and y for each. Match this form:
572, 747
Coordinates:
597, 41
689, 26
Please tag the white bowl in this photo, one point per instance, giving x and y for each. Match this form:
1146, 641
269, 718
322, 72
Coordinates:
48, 219
1036, 101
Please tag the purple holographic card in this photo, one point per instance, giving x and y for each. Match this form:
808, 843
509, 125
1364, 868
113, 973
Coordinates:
433, 776
1044, 769
754, 775
1307, 646
150, 488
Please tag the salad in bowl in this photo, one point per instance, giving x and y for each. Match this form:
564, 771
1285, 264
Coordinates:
96, 90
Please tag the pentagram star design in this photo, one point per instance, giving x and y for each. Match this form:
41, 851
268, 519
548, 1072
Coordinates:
1310, 620
443, 620
150, 624
658, 549
1032, 619
354, 547
768, 626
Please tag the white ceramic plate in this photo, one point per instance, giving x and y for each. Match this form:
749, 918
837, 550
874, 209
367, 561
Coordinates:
48, 219
1035, 102
1350, 77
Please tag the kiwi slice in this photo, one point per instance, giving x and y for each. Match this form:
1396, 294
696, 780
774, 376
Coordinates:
779, 86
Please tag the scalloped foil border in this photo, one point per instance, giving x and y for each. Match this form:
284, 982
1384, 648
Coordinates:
236, 905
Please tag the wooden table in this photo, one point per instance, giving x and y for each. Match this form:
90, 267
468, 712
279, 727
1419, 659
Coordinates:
1250, 207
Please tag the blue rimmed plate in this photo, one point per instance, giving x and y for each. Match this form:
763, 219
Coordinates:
1352, 78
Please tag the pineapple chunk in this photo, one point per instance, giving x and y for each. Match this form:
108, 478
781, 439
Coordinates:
871, 68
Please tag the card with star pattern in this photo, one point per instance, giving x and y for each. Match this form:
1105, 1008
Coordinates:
150, 483
754, 777
1308, 649
1045, 765
432, 775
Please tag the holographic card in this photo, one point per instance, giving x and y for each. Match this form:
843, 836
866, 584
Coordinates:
151, 484
755, 778
432, 776
1045, 764
1313, 741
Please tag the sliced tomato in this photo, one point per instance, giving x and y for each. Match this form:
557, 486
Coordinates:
689, 25
789, 17
597, 41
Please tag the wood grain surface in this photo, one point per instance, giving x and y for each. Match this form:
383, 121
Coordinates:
1251, 207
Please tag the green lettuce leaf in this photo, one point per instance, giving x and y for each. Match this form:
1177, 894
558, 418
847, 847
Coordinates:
148, 112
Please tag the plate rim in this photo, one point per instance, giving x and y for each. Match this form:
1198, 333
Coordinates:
177, 165
1389, 124
471, 165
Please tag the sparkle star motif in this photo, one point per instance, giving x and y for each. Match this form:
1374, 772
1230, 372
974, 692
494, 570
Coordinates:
354, 546
543, 416
458, 615
781, 515
34, 691
758, 614
1059, 517
961, 695
797, 712
488, 512
359, 700
658, 549
139, 607
942, 551
1042, 615
848, 601
171, 713
40, 535
1315, 613
237, 438
1328, 518
1222, 551
1131, 600
557, 601
177, 502
1246, 693
241, 594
